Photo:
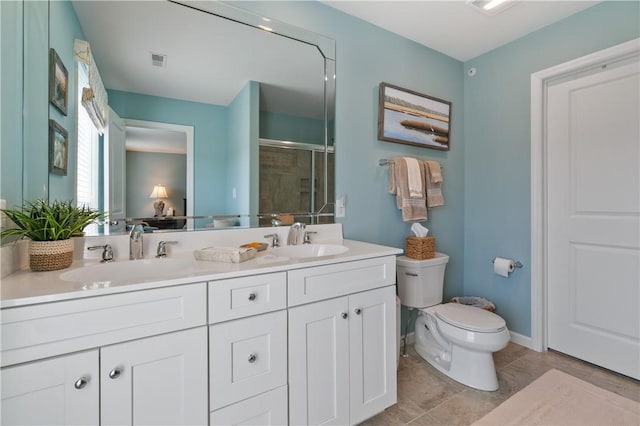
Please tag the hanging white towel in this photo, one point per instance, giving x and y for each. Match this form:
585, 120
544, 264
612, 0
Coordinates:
414, 178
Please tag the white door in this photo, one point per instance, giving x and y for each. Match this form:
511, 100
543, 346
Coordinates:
56, 391
319, 363
372, 344
159, 380
593, 212
115, 169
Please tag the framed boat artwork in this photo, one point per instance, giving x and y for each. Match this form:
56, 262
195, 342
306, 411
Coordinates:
412, 118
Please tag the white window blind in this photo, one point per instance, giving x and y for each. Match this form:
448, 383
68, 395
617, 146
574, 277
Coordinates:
87, 167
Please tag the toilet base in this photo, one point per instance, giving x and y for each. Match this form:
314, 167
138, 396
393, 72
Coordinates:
471, 368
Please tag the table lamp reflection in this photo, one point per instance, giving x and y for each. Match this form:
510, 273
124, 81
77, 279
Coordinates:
158, 193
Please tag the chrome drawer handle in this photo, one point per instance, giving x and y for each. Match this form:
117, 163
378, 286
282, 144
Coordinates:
358, 311
411, 274
81, 382
252, 358
252, 296
115, 373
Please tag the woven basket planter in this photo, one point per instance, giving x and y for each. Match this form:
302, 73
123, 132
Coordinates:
50, 255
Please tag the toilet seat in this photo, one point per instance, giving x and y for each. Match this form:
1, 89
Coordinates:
469, 318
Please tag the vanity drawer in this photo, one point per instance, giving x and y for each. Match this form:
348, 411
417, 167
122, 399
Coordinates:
269, 408
247, 357
39, 331
246, 296
324, 282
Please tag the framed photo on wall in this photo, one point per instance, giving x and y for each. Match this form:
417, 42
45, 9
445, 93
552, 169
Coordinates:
58, 148
412, 118
58, 82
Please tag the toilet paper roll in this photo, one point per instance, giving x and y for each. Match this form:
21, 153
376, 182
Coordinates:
502, 266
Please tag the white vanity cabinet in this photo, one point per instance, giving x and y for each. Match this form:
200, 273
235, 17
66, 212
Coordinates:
248, 350
129, 358
342, 362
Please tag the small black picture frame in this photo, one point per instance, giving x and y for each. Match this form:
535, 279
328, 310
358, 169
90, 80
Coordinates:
58, 149
412, 118
58, 82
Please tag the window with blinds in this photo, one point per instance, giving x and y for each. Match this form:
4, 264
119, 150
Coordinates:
87, 156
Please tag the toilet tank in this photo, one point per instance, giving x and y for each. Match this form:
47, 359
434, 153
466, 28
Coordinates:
420, 282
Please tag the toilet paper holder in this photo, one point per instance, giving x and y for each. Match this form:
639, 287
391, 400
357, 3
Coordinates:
516, 264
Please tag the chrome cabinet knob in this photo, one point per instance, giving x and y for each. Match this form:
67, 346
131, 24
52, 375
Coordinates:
344, 315
252, 358
115, 373
252, 296
358, 311
81, 382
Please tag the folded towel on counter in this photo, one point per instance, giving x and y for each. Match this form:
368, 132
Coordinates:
414, 178
225, 254
413, 209
434, 189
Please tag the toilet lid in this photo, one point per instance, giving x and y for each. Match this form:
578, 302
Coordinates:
469, 317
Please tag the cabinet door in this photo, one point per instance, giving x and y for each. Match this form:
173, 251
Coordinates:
318, 363
372, 342
158, 380
56, 391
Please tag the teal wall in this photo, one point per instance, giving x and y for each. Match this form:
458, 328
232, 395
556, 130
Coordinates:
11, 69
243, 113
64, 29
497, 158
287, 127
210, 137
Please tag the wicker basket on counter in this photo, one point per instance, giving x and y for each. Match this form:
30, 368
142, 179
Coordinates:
420, 248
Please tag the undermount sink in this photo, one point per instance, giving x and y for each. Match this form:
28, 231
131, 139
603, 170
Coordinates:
308, 250
129, 270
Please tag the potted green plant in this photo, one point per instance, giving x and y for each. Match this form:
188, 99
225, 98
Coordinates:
49, 229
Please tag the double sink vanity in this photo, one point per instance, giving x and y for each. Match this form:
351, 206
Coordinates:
301, 334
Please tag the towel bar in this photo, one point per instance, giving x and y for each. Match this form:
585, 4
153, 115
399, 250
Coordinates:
385, 162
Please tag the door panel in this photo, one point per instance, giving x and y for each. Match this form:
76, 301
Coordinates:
159, 380
593, 251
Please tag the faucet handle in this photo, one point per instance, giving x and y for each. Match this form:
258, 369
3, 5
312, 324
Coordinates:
107, 252
307, 237
275, 241
161, 251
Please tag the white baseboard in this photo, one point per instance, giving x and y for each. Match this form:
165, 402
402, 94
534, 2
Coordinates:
521, 340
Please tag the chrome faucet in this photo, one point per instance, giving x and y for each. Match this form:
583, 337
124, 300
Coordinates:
161, 251
275, 241
107, 252
135, 242
294, 233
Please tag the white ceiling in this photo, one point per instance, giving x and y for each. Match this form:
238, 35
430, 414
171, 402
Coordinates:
454, 27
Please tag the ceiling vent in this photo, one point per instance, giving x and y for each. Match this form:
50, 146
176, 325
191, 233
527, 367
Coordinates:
491, 7
158, 60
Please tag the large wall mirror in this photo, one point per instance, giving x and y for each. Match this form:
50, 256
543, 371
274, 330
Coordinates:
230, 112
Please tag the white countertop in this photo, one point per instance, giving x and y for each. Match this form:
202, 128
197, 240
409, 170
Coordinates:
27, 288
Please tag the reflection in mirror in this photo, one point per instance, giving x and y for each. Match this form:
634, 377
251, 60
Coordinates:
232, 85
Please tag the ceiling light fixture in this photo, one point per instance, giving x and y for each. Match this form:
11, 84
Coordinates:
491, 7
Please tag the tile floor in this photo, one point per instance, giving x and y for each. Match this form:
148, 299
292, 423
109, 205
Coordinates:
428, 397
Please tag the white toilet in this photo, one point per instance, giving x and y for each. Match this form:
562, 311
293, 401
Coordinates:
458, 340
